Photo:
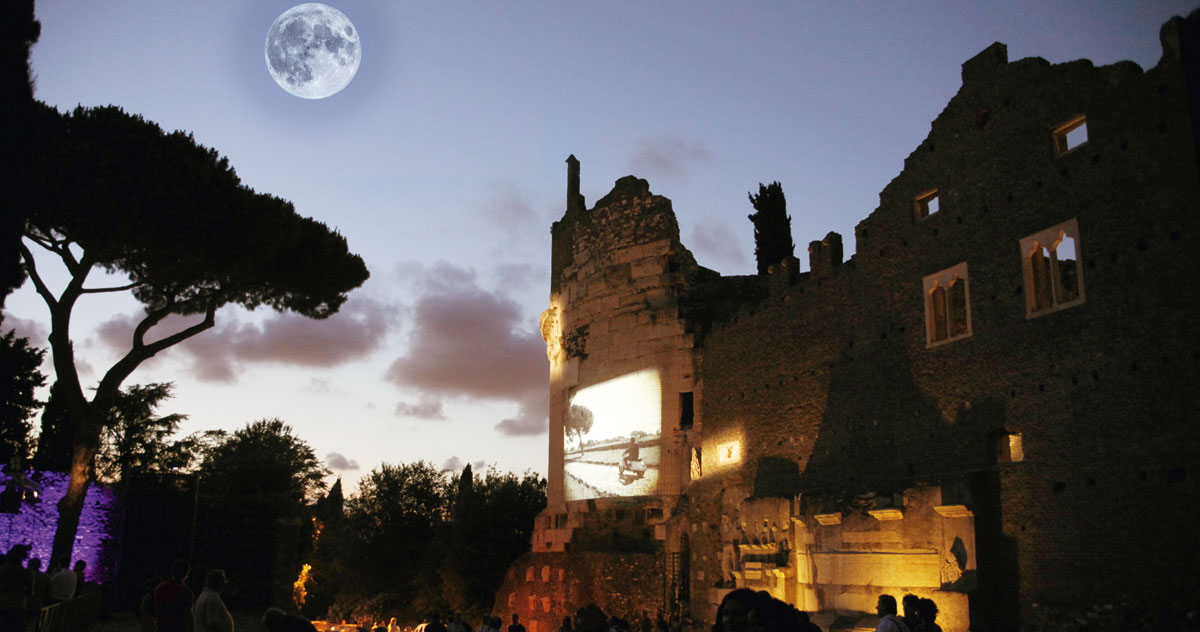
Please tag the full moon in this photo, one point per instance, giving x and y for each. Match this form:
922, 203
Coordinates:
312, 50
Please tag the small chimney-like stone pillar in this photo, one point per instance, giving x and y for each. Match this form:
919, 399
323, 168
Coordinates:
574, 200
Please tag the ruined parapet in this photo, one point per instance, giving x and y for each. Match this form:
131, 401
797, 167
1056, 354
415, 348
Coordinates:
825, 255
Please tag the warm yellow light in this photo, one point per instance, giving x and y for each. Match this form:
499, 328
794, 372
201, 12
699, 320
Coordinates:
1015, 451
299, 592
730, 452
550, 325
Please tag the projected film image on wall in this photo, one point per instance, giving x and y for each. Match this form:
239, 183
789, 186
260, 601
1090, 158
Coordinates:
611, 442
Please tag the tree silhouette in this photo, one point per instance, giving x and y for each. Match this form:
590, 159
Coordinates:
170, 223
252, 508
19, 377
772, 226
19, 31
135, 440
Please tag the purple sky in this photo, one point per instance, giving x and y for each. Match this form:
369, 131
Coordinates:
443, 164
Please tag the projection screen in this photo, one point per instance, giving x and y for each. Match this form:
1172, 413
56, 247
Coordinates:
611, 442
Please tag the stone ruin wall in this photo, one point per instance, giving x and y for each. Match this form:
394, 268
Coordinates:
884, 462
833, 373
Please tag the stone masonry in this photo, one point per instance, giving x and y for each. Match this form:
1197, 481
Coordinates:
993, 403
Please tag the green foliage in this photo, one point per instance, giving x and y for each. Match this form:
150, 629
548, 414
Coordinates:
54, 440
772, 226
110, 191
174, 216
19, 378
253, 519
136, 441
263, 461
394, 519
416, 540
493, 522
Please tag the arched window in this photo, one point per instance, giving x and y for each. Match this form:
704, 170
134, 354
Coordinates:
1053, 269
947, 305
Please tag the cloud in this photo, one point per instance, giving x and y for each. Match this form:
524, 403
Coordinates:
473, 343
425, 408
532, 416
509, 206
520, 276
355, 331
455, 464
338, 462
715, 239
36, 332
666, 156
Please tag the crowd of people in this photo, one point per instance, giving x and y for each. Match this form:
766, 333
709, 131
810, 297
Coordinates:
744, 610
171, 607
25, 589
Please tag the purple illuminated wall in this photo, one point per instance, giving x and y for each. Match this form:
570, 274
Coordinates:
96, 540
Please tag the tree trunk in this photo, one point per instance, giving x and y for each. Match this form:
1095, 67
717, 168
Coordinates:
70, 507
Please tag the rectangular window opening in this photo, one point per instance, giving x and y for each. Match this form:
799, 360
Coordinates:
1070, 135
926, 204
686, 411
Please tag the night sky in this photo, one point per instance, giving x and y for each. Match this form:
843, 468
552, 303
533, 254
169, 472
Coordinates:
443, 164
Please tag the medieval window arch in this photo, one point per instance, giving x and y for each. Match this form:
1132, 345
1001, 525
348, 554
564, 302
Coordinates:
1052, 266
947, 305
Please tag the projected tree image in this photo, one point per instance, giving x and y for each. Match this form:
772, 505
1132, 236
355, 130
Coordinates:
579, 423
612, 434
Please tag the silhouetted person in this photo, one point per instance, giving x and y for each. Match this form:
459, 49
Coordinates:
457, 624
733, 615
806, 625
62, 584
516, 624
81, 585
888, 621
14, 590
566, 625
276, 620
909, 605
145, 611
486, 624
39, 588
210, 613
435, 624
590, 618
928, 611
173, 600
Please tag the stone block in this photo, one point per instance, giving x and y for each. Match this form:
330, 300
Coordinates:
903, 569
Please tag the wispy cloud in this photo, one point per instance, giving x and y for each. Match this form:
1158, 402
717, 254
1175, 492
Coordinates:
470, 342
355, 331
714, 240
340, 463
668, 156
428, 408
455, 464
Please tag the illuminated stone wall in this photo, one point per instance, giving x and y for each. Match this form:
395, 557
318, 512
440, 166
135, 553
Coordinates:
848, 443
835, 373
545, 587
99, 524
616, 312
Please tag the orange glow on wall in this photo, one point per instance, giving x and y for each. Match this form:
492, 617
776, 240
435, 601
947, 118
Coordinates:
729, 452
